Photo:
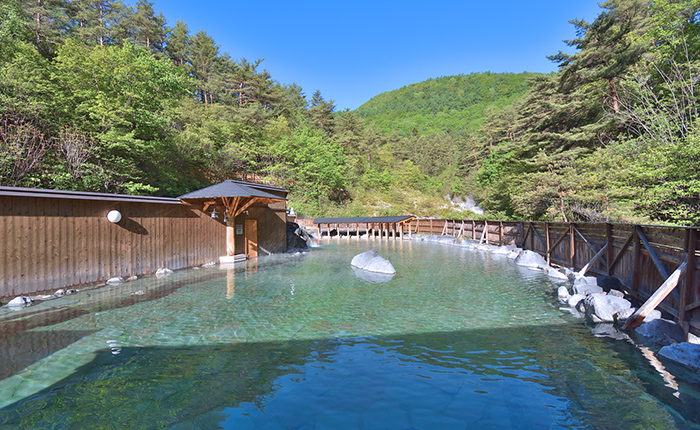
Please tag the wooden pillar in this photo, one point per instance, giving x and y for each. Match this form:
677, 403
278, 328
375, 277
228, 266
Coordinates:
500, 233
231, 236
473, 230
688, 289
547, 242
611, 254
636, 261
431, 226
572, 245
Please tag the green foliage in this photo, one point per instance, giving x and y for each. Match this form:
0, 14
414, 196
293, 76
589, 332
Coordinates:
452, 104
98, 96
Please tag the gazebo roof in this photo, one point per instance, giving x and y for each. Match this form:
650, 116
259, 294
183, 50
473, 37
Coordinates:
231, 188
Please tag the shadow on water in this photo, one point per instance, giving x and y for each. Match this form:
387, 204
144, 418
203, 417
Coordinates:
28, 347
500, 378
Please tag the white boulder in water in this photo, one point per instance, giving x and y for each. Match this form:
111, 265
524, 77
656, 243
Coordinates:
532, 260
372, 262
20, 302
163, 271
603, 308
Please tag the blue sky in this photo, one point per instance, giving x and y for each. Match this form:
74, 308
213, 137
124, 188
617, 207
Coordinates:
354, 50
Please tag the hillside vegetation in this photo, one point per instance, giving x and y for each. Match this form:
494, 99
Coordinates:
451, 104
99, 96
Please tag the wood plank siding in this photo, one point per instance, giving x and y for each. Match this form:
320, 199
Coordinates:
51, 243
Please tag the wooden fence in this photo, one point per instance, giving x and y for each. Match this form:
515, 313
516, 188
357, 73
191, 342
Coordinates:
642, 258
54, 240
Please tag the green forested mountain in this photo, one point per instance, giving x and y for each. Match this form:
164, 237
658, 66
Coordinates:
96, 95
450, 104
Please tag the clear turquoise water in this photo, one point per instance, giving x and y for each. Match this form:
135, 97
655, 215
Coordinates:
458, 339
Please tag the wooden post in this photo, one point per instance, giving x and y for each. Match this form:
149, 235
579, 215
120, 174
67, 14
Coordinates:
687, 288
636, 262
572, 244
547, 242
611, 253
231, 236
500, 232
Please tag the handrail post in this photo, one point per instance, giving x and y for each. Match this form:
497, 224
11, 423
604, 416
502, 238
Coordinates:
687, 287
611, 254
547, 243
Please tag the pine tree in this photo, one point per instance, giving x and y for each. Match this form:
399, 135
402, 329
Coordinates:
48, 22
203, 54
179, 44
321, 112
95, 19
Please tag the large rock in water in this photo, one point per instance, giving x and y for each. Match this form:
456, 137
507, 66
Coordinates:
297, 238
372, 262
531, 259
661, 331
685, 353
603, 308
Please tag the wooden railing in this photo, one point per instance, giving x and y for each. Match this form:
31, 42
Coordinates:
641, 257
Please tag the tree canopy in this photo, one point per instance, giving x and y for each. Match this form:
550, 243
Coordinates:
97, 95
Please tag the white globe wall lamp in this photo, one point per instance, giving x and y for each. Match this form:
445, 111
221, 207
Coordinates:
114, 216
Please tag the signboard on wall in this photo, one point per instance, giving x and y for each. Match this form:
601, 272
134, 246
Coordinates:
239, 228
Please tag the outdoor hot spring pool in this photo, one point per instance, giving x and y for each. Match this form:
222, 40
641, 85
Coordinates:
458, 339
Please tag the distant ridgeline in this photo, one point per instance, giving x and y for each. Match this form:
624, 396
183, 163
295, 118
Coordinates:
450, 104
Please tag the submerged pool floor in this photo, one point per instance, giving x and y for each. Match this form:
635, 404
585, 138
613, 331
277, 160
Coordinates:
458, 339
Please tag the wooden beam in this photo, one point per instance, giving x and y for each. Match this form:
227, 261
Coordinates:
485, 233
534, 230
590, 245
245, 206
652, 254
656, 298
692, 306
593, 260
622, 251
527, 233
558, 241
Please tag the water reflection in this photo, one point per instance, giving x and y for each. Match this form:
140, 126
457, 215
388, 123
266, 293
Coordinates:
300, 341
510, 378
372, 277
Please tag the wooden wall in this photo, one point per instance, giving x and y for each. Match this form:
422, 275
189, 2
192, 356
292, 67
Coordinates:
51, 243
272, 228
641, 257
